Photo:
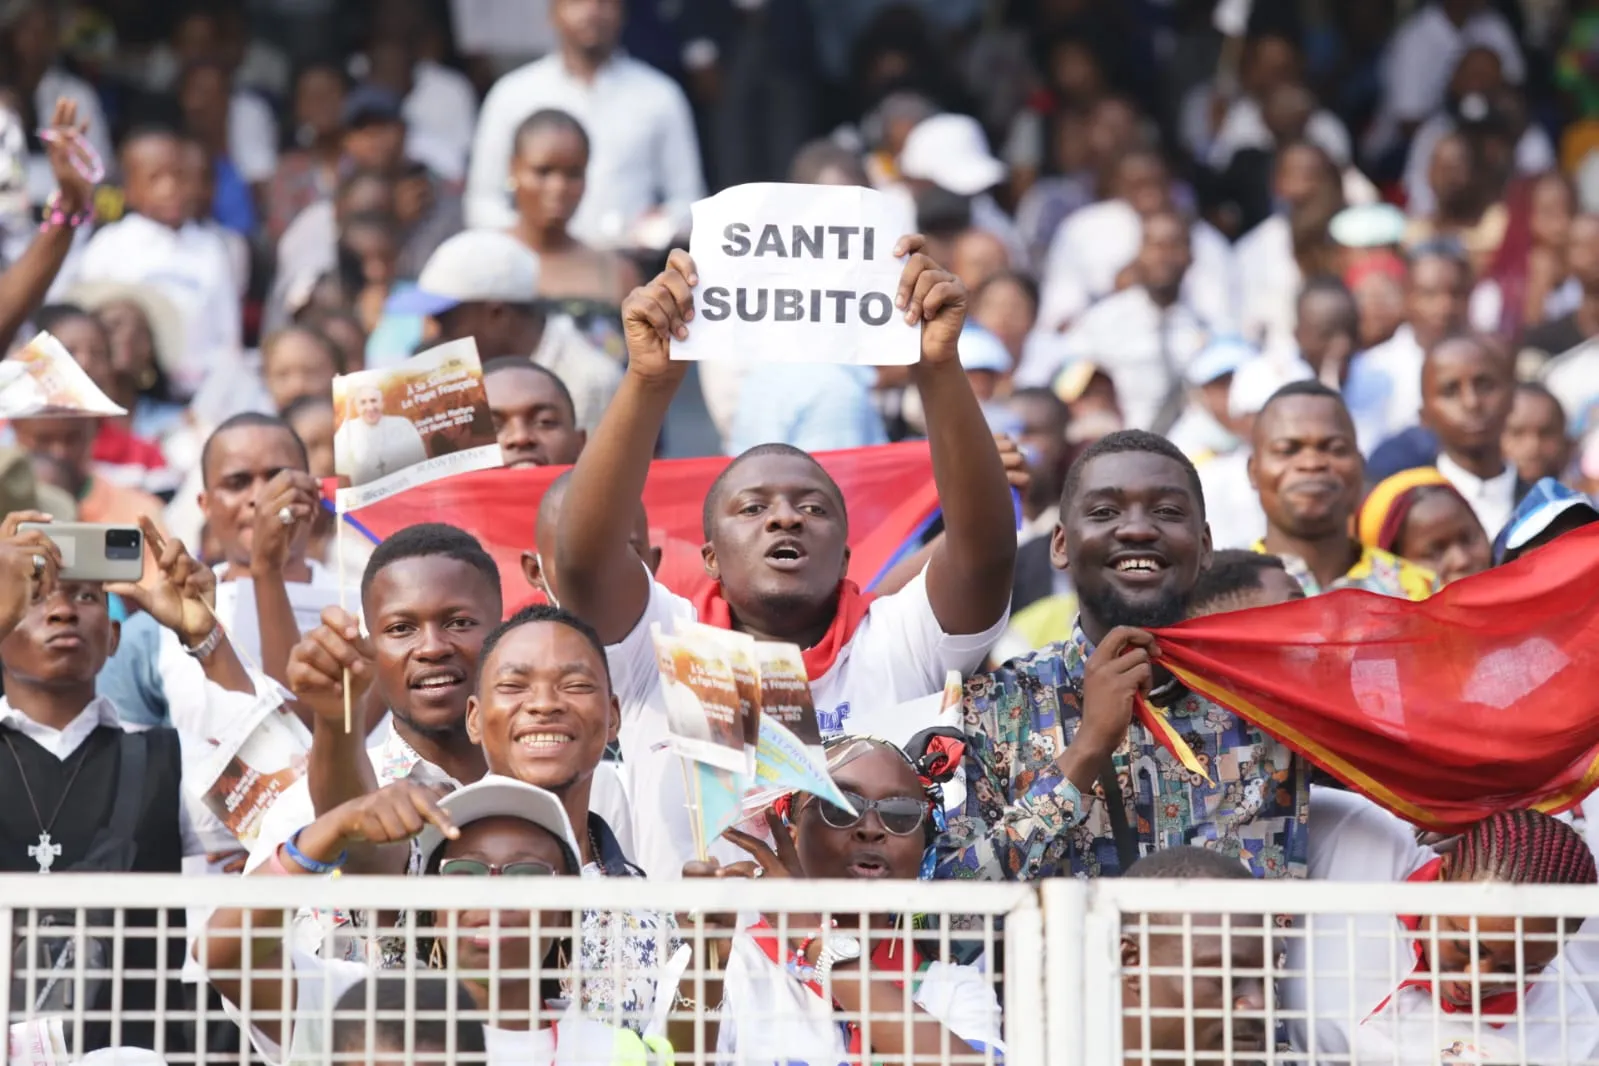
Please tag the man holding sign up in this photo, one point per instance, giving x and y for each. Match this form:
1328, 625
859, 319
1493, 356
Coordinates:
775, 523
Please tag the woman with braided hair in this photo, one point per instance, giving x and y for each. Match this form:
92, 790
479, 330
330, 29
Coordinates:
1491, 993
827, 972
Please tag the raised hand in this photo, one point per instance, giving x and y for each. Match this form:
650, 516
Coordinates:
292, 493
656, 313
1017, 471
183, 597
65, 145
393, 813
29, 565
933, 296
318, 663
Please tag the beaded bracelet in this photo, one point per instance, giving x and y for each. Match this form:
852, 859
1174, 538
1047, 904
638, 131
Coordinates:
55, 218
82, 155
309, 864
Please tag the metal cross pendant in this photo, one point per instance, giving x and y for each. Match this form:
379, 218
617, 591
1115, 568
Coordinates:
44, 852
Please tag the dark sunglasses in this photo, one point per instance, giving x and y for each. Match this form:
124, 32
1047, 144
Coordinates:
475, 868
900, 815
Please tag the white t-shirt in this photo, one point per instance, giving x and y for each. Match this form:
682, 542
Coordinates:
1352, 839
786, 1022
318, 984
898, 652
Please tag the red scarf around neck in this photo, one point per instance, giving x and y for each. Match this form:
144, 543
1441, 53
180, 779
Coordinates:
819, 658
1498, 1003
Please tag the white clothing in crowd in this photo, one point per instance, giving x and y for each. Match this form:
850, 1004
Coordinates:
1244, 127
899, 652
1419, 61
1270, 279
369, 452
1354, 840
440, 114
1493, 499
189, 266
252, 137
591, 376
643, 150
1095, 243
319, 983
1399, 360
1142, 346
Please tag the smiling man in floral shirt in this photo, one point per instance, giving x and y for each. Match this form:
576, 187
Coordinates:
1044, 731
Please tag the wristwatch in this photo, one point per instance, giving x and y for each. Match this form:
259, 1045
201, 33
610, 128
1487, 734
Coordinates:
836, 948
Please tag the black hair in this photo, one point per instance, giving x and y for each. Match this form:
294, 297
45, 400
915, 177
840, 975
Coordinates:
50, 316
549, 118
1540, 390
713, 494
1022, 281
246, 420
1328, 285
1188, 861
1522, 847
503, 363
1447, 250
941, 212
427, 540
334, 352
1123, 442
1306, 387
816, 156
1044, 396
544, 612
197, 66
301, 404
405, 1013
359, 175
1232, 571
149, 131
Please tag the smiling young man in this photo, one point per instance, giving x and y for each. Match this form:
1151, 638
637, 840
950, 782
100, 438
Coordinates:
1308, 471
1060, 775
535, 420
777, 547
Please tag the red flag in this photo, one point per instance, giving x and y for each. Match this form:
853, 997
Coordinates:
1481, 699
888, 491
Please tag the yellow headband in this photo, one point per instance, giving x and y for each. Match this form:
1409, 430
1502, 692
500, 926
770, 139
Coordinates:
1381, 499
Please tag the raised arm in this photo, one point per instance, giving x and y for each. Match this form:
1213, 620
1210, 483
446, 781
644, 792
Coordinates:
391, 816
969, 574
597, 570
183, 599
337, 768
25, 284
294, 492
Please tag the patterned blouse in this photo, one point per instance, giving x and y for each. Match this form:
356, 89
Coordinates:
1375, 571
1022, 819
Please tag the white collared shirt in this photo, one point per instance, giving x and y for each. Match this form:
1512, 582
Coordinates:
1269, 273
642, 148
1493, 499
1125, 334
1399, 359
189, 266
63, 742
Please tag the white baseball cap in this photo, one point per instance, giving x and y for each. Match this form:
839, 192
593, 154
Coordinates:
474, 266
495, 796
1222, 356
951, 151
981, 350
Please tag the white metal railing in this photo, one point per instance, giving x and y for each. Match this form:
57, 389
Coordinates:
1076, 965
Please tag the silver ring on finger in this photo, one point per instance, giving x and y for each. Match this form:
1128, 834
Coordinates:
760, 871
285, 516
38, 566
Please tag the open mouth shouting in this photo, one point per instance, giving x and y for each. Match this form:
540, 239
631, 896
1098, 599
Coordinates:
869, 865
787, 554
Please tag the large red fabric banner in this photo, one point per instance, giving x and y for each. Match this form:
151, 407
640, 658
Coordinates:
1483, 698
888, 491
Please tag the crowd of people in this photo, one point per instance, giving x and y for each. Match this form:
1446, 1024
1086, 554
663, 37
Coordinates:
1313, 310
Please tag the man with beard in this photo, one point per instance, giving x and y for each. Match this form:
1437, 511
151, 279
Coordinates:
1060, 776
1308, 471
777, 548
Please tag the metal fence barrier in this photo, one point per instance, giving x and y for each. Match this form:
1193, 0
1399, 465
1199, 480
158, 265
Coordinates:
1128, 971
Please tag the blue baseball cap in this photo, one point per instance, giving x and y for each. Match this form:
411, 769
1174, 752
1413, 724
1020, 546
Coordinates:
1544, 502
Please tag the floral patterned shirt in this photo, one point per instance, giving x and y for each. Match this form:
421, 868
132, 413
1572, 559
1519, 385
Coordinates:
1022, 819
1375, 571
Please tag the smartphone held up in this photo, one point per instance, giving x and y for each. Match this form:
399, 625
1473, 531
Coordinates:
92, 551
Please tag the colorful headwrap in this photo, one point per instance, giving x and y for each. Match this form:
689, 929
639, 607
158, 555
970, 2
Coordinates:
1383, 515
937, 764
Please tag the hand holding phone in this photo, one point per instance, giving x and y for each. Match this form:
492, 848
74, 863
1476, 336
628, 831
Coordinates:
29, 563
91, 551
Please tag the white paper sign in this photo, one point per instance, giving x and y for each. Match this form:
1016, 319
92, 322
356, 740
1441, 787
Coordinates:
799, 274
261, 753
42, 380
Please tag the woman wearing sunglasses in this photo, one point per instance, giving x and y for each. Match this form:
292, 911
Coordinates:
496, 827
855, 971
